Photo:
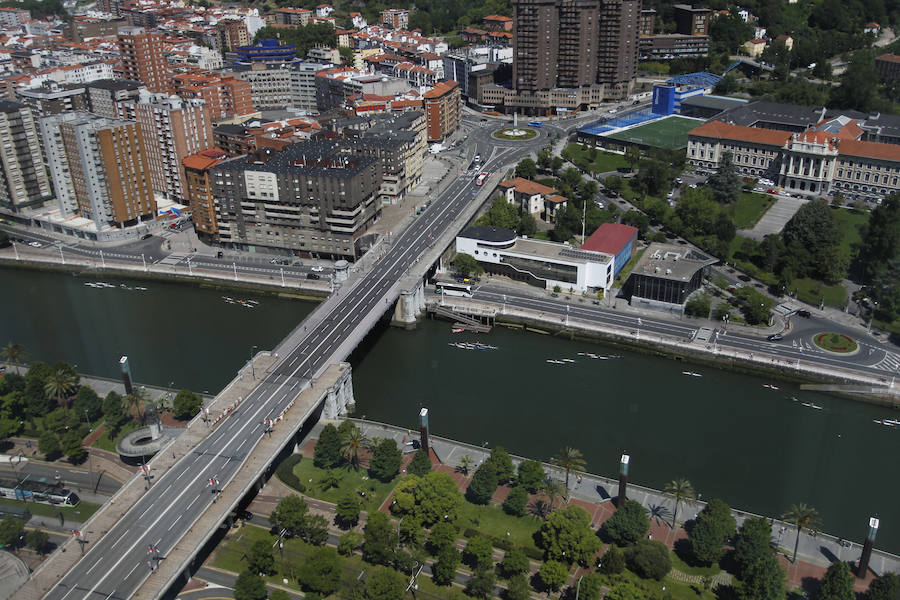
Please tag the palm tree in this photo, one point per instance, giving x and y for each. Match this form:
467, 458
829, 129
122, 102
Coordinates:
569, 459
801, 515
465, 463
135, 400
351, 445
682, 490
553, 490
59, 385
13, 354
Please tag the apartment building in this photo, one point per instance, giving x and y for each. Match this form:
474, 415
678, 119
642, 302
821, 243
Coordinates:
231, 33
51, 98
99, 168
23, 178
690, 20
395, 18
295, 17
143, 58
225, 95
270, 84
442, 109
108, 97
199, 189
303, 85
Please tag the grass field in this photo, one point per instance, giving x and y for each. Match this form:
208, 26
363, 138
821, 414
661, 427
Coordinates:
491, 520
750, 208
626, 270
850, 223
603, 162
104, 442
812, 291
669, 133
80, 513
350, 481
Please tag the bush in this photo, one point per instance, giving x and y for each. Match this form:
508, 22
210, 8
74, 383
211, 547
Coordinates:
483, 484
613, 561
650, 559
285, 473
699, 306
420, 464
186, 405
516, 503
628, 524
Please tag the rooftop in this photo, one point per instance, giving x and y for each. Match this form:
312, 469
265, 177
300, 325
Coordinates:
668, 261
311, 157
716, 102
526, 186
488, 233
609, 238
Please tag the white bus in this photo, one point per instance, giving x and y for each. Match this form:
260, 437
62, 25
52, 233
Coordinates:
453, 288
481, 179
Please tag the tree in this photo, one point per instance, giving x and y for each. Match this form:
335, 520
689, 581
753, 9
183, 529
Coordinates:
349, 542
613, 561
725, 183
444, 569
276, 594
632, 156
320, 571
315, 530
699, 306
553, 574
527, 225
465, 463
60, 385
556, 164
481, 584
762, 580
837, 584
859, 84
714, 525
650, 559
552, 490
483, 484
466, 265
37, 540
249, 586
613, 183
526, 168
442, 536
681, 490
516, 502
430, 499
11, 530
87, 403
530, 475
881, 238
352, 443
628, 524
13, 355
752, 544
518, 588
327, 453
386, 459
347, 511
186, 405
502, 464
478, 553
304, 38
811, 231
72, 446
379, 539
330, 479
566, 536
420, 464
637, 219
259, 558
626, 591
514, 562
290, 513
569, 460
134, 403
884, 587
501, 214
114, 411
385, 584
801, 516
411, 531
48, 444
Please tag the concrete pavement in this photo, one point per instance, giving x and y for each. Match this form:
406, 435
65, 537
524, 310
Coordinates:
774, 219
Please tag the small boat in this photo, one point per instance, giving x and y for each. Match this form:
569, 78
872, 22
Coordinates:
770, 386
457, 330
691, 373
569, 360
887, 422
812, 405
553, 361
583, 354
614, 356
141, 289
793, 398
596, 356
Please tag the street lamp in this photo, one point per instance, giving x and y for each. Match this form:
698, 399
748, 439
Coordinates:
578, 587
253, 368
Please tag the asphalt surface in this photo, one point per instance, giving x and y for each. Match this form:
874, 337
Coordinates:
76, 479
117, 564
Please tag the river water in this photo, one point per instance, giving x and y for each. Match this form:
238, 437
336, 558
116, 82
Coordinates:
753, 447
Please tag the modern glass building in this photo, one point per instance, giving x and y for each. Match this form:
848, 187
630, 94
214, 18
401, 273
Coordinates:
666, 275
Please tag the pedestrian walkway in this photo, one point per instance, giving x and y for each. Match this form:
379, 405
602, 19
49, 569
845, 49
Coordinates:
774, 219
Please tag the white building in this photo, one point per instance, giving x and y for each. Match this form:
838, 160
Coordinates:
539, 263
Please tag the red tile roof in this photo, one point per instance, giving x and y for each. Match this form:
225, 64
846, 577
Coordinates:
610, 238
440, 88
526, 186
720, 130
869, 150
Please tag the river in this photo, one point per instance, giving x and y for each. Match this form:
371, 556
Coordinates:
732, 438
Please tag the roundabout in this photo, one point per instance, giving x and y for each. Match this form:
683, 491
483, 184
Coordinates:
518, 134
837, 343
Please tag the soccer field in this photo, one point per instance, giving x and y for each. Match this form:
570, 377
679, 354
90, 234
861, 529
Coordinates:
669, 133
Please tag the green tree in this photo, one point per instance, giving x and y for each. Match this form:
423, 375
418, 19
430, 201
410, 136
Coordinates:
802, 517
411, 531
315, 530
556, 164
37, 540
569, 460
530, 475
327, 453
135, 403
483, 485
526, 168
114, 411
859, 84
501, 214
837, 584
249, 586
60, 385
516, 502
628, 524
650, 559
699, 306
444, 569
353, 441
613, 183
762, 580
481, 584
13, 355
420, 464
553, 574
591, 587
884, 587
527, 225
379, 539
725, 183
632, 156
431, 499
636, 219
186, 405
613, 561
566, 536
514, 562
330, 479
713, 527
72, 445
502, 464
626, 591
681, 490
259, 558
346, 512
304, 38
320, 571
729, 32
349, 542
442, 536
48, 444
290, 513
465, 463
752, 544
87, 403
478, 553
466, 265
808, 235
276, 594
518, 588
553, 490
386, 459
881, 238
385, 584
10, 531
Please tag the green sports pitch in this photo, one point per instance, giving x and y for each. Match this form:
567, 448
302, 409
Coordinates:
669, 133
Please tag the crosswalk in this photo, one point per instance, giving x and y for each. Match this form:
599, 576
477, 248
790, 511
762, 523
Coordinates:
173, 259
890, 363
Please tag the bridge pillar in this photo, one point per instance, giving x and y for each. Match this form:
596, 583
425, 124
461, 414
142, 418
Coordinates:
339, 396
410, 306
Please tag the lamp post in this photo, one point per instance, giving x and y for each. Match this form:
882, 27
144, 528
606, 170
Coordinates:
578, 587
252, 368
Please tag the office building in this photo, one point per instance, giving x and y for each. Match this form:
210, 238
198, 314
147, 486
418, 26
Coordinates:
647, 23
296, 17
615, 239
303, 85
442, 108
668, 46
199, 190
266, 51
143, 58
690, 20
23, 178
666, 275
270, 83
172, 129
51, 98
308, 198
99, 169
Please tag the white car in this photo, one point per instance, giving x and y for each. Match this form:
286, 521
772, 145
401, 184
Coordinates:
318, 269
35, 244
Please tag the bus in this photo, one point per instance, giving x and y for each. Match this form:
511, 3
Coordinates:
36, 491
453, 288
535, 124
481, 178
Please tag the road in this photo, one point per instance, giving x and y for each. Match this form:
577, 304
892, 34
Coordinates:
117, 564
71, 478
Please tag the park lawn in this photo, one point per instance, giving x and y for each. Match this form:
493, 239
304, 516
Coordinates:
682, 566
104, 442
80, 513
604, 162
893, 327
750, 208
674, 589
811, 291
352, 481
622, 277
850, 223
491, 520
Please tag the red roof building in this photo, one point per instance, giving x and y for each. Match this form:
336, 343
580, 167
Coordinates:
615, 239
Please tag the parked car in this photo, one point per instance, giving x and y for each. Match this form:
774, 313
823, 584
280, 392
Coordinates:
35, 244
804, 313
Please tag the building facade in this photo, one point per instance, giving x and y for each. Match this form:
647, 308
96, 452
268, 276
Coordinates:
143, 58
303, 85
231, 33
99, 168
665, 276
395, 18
442, 108
225, 95
270, 84
198, 186
23, 178
107, 97
690, 20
